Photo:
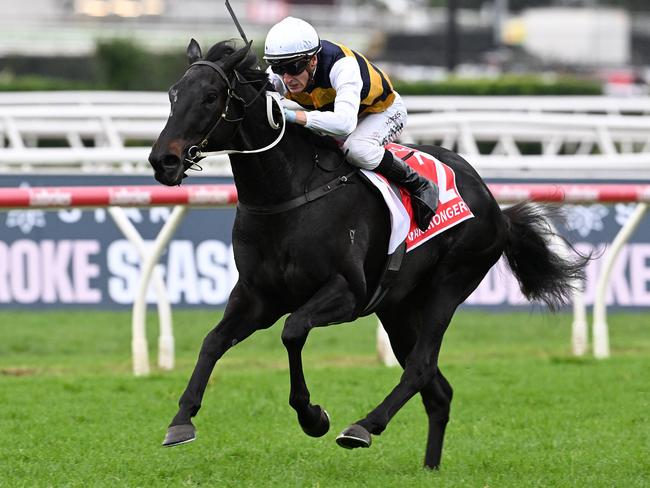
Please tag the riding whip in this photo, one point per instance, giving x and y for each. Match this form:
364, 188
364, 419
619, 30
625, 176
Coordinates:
234, 18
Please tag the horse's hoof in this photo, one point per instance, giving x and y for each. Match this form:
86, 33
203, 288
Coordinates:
354, 436
321, 427
179, 434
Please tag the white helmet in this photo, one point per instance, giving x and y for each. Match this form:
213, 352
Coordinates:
289, 39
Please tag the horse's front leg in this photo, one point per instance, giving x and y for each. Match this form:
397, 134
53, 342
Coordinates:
333, 303
245, 313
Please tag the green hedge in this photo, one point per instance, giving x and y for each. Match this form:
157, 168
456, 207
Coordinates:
8, 82
119, 64
504, 85
120, 80
123, 64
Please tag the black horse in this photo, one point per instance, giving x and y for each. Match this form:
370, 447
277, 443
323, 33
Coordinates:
320, 259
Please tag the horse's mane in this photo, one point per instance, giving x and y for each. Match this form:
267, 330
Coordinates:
250, 68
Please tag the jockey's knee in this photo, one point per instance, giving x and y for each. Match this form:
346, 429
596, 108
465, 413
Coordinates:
363, 153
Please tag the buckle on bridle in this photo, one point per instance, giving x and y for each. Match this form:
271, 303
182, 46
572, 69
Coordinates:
193, 153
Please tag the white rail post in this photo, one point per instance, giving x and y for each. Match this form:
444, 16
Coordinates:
579, 325
139, 343
166, 334
384, 349
600, 330
579, 328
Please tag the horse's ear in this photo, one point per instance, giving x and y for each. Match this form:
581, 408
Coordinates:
237, 57
193, 52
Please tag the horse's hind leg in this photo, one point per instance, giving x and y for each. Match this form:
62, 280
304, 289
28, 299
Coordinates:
420, 366
436, 397
333, 303
429, 312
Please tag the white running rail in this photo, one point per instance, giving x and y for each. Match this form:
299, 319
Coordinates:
105, 132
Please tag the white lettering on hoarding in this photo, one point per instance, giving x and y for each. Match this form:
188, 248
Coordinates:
182, 276
70, 215
83, 270
26, 259
48, 271
629, 283
5, 296
123, 265
26, 220
215, 260
619, 286
640, 278
57, 285
68, 272
193, 274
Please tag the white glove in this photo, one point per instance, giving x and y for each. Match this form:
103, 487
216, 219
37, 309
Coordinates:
289, 115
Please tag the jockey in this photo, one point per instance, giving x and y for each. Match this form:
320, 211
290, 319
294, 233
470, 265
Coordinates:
348, 98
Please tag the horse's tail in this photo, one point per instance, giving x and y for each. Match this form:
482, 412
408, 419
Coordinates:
542, 272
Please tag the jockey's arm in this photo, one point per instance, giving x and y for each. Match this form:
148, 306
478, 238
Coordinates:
345, 78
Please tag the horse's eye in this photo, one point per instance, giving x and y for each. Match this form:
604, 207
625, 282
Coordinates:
211, 98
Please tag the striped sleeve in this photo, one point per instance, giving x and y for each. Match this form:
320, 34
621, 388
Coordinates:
345, 78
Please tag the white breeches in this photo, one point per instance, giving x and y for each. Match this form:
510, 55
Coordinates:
364, 146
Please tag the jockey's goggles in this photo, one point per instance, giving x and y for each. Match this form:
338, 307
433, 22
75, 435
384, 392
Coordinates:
292, 68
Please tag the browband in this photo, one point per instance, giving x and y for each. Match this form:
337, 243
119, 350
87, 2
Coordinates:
215, 67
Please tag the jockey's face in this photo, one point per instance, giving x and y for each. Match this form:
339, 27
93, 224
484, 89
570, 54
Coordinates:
298, 83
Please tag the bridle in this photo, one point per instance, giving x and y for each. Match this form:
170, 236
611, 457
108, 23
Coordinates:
195, 153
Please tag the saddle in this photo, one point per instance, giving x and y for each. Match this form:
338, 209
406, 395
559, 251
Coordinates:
452, 211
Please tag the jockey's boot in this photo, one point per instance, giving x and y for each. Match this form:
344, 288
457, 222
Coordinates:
424, 193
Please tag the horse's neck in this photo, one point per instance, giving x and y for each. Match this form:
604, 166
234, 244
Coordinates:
272, 176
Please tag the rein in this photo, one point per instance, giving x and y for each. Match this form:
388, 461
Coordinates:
195, 153
309, 196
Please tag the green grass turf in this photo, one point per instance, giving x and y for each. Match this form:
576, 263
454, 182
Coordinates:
525, 412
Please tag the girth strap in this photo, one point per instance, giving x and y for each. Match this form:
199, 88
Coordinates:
391, 269
387, 280
310, 196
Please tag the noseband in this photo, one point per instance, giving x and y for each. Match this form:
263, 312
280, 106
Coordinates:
195, 153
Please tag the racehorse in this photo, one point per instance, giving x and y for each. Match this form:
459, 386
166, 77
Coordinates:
310, 240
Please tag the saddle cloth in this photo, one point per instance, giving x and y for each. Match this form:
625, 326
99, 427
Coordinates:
452, 209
